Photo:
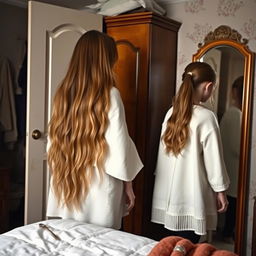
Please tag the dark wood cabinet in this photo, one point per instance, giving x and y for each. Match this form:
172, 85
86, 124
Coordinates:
4, 198
146, 73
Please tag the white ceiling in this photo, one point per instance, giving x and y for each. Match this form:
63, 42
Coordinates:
75, 4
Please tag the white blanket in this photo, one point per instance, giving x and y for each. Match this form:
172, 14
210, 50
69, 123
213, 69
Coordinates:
76, 238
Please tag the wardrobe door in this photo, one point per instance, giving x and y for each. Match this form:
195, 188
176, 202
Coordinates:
132, 80
161, 89
146, 71
126, 70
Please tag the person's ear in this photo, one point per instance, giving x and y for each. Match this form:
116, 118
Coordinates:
209, 86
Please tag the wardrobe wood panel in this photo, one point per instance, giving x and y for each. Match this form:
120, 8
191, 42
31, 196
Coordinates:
146, 71
127, 69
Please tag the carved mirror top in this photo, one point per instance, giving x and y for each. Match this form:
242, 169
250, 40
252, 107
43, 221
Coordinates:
223, 33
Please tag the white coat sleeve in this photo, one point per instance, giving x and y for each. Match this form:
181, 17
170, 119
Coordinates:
162, 172
214, 161
123, 161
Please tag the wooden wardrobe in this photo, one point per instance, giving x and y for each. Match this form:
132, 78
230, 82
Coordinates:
146, 79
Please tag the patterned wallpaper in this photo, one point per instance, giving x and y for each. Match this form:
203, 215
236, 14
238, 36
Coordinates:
198, 17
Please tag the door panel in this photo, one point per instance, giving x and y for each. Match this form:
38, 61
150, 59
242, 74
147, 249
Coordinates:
127, 72
132, 82
52, 34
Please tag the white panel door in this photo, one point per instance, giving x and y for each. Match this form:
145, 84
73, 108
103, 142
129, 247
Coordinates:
52, 34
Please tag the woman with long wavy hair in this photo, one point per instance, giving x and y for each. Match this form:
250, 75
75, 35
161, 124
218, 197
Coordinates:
91, 157
191, 177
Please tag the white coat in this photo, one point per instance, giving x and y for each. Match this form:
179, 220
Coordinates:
184, 195
105, 201
230, 130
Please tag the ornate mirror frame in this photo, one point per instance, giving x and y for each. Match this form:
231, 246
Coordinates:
225, 36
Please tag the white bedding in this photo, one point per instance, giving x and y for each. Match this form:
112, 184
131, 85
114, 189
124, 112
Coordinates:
76, 238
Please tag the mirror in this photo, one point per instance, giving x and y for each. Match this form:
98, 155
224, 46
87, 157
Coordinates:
228, 54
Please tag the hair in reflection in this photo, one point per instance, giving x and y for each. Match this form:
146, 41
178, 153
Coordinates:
238, 86
80, 118
177, 130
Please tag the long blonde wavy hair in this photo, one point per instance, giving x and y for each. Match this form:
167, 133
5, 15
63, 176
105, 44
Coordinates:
80, 118
176, 134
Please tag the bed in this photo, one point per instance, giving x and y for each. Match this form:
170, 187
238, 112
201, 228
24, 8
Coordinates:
72, 238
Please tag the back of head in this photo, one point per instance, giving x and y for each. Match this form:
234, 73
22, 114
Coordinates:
80, 117
93, 58
177, 131
199, 72
238, 85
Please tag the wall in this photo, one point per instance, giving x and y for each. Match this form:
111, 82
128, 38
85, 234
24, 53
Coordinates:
199, 17
13, 33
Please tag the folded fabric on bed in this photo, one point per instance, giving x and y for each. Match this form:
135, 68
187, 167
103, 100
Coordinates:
76, 238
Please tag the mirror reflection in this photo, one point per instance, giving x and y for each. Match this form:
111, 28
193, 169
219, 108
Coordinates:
226, 102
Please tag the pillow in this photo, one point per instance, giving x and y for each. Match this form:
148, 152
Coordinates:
178, 246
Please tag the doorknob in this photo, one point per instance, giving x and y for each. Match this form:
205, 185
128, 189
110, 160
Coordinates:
36, 134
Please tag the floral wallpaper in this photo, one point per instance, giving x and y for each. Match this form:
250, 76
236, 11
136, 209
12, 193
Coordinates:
194, 6
198, 17
229, 7
199, 32
249, 29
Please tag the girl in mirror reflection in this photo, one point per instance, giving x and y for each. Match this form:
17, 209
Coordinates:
230, 128
91, 156
191, 178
